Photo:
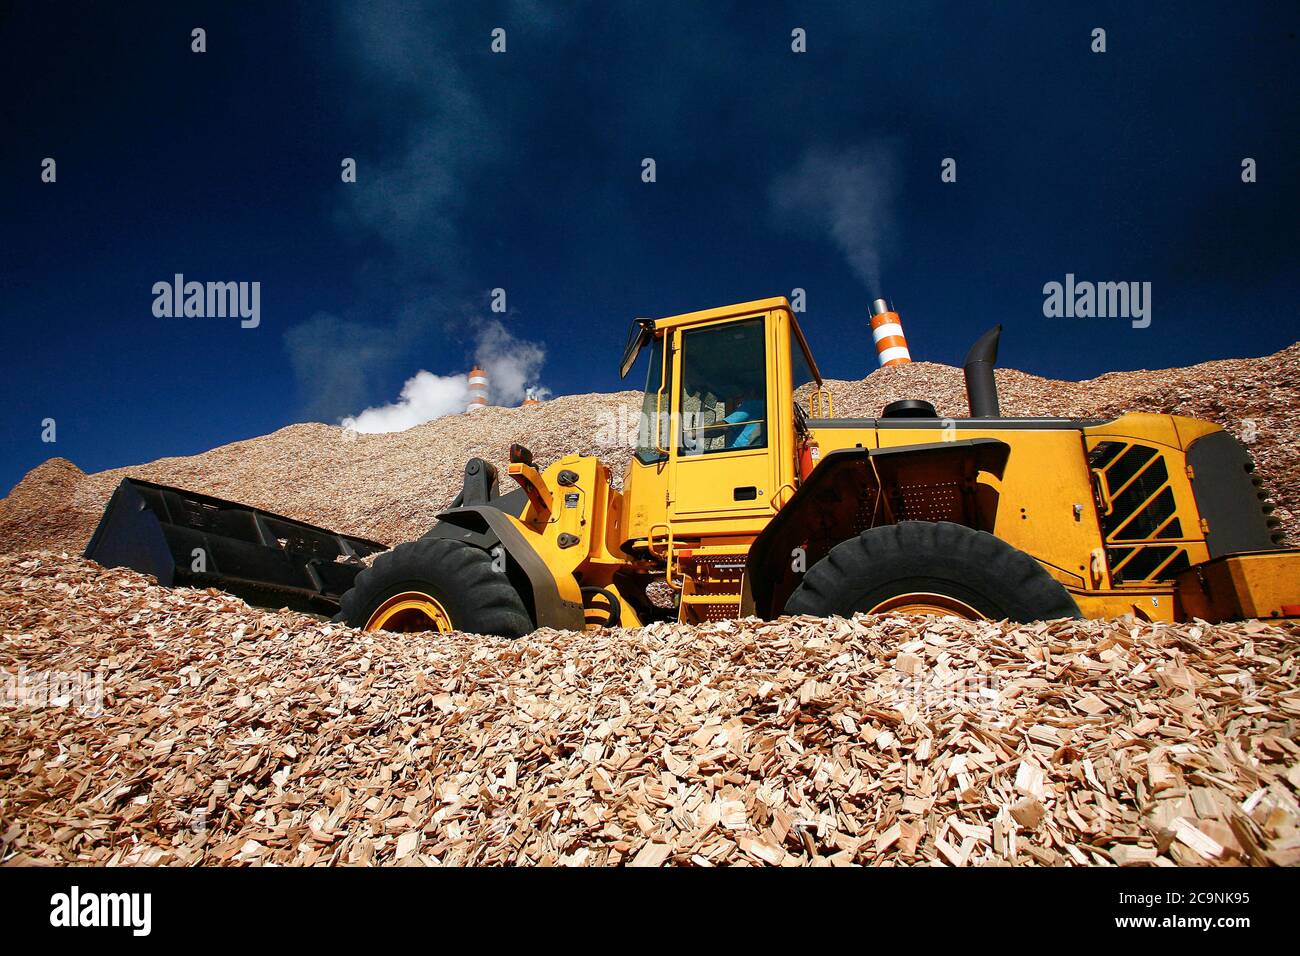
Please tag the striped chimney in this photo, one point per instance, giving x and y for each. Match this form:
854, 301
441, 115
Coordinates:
530, 398
887, 331
478, 389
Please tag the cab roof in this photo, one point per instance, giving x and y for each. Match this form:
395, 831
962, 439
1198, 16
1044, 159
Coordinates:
723, 312
740, 309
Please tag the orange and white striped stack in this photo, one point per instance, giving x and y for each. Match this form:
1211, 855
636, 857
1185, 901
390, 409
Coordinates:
887, 331
478, 389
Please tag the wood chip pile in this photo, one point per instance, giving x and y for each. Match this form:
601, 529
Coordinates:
233, 736
390, 487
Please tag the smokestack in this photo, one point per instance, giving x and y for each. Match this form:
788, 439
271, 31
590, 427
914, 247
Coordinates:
887, 331
478, 389
981, 387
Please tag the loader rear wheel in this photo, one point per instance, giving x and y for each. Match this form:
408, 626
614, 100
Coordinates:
931, 567
435, 584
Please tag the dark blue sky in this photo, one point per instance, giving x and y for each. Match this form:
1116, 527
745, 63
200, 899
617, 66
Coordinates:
522, 171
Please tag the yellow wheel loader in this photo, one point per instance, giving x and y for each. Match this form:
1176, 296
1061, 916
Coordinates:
746, 495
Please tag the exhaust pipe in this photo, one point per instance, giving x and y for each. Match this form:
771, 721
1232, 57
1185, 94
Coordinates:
887, 331
981, 388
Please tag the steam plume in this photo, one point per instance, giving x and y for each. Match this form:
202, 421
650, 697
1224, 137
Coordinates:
512, 367
848, 196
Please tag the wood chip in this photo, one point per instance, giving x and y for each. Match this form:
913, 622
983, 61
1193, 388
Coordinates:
652, 854
1028, 812
1187, 832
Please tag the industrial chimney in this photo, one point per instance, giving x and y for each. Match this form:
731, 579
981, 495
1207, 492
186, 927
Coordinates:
478, 389
887, 331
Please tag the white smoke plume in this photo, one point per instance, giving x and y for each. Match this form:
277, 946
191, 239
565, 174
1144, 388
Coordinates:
442, 139
415, 191
512, 367
847, 195
424, 397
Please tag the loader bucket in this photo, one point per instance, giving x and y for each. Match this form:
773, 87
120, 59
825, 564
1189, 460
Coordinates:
183, 538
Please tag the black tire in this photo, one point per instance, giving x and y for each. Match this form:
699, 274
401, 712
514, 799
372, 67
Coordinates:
915, 557
457, 575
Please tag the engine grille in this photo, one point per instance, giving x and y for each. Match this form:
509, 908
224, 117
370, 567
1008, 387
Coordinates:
1138, 510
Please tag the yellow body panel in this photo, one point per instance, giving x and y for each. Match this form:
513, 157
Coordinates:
1263, 584
1032, 514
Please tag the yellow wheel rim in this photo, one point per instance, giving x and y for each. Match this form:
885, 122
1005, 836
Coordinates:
932, 605
410, 611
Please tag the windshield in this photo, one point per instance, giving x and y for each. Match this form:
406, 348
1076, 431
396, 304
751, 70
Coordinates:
652, 417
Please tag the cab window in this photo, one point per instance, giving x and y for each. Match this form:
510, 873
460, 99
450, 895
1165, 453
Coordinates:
724, 388
800, 371
802, 381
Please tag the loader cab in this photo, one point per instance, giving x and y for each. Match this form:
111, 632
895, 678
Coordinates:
716, 435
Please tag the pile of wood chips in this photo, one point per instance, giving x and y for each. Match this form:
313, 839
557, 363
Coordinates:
390, 487
233, 736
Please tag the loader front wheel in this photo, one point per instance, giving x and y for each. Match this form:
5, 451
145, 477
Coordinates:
930, 567
435, 584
